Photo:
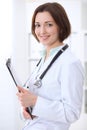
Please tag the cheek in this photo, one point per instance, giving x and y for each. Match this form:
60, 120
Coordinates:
35, 31
53, 31
54, 34
37, 35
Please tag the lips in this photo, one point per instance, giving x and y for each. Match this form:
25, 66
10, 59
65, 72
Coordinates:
44, 37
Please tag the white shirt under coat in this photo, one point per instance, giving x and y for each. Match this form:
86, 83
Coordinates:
59, 99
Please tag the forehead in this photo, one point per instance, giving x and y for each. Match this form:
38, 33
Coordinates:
43, 16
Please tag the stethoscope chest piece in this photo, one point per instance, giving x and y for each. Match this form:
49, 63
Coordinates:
38, 83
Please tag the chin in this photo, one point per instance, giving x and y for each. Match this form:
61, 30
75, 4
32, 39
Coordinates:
45, 44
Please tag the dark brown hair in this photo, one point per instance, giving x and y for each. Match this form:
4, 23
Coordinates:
60, 17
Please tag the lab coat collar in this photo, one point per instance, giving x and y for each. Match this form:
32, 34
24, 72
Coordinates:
52, 51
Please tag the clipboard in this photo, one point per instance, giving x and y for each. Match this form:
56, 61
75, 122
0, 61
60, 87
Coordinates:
8, 65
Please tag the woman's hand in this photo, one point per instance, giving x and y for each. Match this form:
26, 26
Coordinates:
25, 97
25, 113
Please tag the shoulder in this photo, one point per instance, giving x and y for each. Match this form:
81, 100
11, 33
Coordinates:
70, 63
68, 57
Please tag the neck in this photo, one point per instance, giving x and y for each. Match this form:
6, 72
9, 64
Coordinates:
48, 48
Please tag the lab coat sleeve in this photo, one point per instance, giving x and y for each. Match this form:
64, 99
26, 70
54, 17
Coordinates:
68, 108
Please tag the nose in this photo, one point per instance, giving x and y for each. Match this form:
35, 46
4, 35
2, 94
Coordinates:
42, 30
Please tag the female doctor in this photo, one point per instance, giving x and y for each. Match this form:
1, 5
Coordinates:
56, 86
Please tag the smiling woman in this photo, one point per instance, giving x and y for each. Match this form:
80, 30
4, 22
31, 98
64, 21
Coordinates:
51, 91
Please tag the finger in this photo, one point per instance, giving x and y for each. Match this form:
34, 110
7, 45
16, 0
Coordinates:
21, 89
26, 114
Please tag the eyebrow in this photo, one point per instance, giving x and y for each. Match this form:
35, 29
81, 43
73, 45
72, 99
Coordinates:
46, 22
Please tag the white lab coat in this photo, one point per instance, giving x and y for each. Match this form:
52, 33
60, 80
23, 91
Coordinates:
59, 99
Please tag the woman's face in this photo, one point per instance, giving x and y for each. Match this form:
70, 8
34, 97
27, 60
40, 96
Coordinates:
46, 29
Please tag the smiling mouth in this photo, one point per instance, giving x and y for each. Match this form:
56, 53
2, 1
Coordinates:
44, 37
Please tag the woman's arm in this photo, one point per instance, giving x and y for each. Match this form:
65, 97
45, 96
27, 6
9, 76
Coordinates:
67, 107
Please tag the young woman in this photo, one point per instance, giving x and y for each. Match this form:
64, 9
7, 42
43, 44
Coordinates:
56, 86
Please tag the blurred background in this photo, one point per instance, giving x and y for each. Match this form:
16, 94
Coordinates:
17, 43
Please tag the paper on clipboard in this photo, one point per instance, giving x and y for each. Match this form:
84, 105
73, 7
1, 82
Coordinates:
8, 64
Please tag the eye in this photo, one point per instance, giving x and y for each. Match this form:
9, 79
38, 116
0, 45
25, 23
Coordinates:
49, 24
37, 25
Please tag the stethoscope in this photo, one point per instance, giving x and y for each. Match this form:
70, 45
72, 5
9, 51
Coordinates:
38, 80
